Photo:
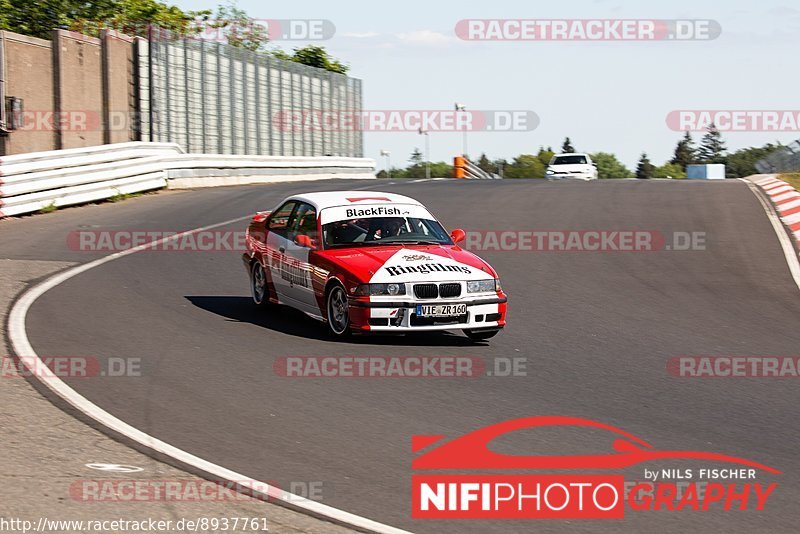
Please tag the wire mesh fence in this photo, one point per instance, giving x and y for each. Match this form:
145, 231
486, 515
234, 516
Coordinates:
785, 159
211, 97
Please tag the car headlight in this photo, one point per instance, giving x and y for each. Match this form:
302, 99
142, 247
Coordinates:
376, 290
483, 286
550, 171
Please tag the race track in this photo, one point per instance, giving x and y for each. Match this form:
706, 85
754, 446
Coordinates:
596, 328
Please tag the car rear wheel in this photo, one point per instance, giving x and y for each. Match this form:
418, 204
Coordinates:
258, 285
480, 335
338, 312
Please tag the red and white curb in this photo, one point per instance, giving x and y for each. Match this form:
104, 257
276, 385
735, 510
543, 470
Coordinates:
786, 200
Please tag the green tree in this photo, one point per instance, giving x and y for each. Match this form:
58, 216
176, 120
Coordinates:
485, 165
525, 166
742, 163
417, 167
670, 170
394, 173
241, 30
545, 155
313, 56
416, 157
567, 147
685, 152
440, 169
644, 169
136, 17
608, 166
712, 147
133, 17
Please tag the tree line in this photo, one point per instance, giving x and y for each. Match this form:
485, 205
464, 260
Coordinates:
711, 149
38, 18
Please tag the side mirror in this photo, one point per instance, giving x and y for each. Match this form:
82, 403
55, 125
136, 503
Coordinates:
304, 241
458, 235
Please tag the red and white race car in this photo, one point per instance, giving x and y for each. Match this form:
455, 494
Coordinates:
363, 261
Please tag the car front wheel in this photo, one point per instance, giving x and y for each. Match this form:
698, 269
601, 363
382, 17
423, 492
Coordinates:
258, 285
338, 312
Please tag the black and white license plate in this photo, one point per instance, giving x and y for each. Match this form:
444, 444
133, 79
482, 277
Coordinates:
441, 310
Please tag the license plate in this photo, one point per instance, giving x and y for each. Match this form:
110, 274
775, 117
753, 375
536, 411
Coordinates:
441, 310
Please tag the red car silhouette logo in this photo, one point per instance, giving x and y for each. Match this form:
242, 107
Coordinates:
471, 451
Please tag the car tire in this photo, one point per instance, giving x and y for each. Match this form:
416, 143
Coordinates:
338, 311
259, 289
480, 335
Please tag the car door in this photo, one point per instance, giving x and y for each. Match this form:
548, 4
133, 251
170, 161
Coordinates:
277, 244
298, 268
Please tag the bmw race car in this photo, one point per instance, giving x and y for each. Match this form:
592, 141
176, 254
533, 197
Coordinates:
371, 262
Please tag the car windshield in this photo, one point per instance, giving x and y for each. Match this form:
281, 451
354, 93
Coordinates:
372, 231
569, 160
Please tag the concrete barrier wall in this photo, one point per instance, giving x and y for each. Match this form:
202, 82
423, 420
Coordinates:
28, 74
77, 91
119, 88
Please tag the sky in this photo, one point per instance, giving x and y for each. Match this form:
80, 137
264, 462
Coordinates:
606, 96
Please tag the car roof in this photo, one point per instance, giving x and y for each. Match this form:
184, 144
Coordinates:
329, 199
571, 154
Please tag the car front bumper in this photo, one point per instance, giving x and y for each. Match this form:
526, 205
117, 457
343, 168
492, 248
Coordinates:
570, 176
482, 312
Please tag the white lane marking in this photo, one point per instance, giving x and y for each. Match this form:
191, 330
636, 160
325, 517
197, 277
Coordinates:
116, 468
786, 243
22, 347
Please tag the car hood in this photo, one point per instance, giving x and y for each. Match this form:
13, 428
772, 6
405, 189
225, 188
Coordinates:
425, 263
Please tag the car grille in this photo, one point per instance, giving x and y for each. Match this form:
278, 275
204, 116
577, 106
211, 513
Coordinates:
450, 290
426, 291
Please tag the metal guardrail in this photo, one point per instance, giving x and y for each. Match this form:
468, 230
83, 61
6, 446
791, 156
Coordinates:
32, 182
73, 157
464, 169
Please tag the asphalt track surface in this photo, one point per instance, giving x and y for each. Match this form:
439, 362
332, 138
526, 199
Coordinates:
597, 330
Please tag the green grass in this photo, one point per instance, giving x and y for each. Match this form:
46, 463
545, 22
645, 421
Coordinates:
119, 197
50, 208
792, 178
